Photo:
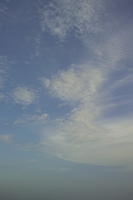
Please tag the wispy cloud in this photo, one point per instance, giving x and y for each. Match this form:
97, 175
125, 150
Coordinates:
84, 135
3, 7
3, 75
32, 119
93, 89
3, 70
61, 16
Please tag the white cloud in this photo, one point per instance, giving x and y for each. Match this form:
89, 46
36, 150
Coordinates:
76, 84
24, 95
63, 16
6, 138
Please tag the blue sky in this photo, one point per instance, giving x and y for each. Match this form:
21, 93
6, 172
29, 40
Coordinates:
66, 94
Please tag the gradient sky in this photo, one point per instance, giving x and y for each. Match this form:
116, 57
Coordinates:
66, 99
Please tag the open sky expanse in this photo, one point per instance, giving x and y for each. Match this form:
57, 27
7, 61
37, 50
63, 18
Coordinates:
66, 99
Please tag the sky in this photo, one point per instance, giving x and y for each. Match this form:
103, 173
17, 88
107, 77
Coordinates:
66, 99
